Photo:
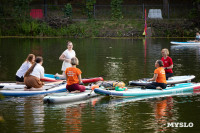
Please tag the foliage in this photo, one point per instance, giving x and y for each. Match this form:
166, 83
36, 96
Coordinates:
116, 9
68, 10
90, 8
194, 12
21, 8
30, 28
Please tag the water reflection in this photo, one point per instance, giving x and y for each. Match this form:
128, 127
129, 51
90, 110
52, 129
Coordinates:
163, 111
186, 59
26, 114
114, 68
33, 114
150, 113
116, 59
73, 118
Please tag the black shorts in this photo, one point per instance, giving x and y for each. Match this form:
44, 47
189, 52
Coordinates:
168, 75
153, 85
18, 79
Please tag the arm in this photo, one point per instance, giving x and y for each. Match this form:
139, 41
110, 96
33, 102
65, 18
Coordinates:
169, 67
42, 73
80, 79
63, 58
154, 77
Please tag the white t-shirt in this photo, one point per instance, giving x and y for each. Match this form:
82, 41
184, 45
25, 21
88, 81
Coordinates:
22, 70
68, 54
38, 71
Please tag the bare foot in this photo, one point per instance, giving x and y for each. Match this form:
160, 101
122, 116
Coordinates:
158, 88
76, 91
56, 75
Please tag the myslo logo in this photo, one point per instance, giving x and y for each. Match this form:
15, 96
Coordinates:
180, 124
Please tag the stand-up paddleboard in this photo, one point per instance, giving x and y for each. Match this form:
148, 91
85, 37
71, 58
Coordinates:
22, 92
185, 43
136, 91
67, 97
171, 80
52, 78
20, 86
110, 102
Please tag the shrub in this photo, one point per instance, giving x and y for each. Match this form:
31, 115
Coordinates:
90, 8
116, 9
68, 10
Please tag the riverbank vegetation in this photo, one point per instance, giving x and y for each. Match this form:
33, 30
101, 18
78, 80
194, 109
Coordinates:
19, 24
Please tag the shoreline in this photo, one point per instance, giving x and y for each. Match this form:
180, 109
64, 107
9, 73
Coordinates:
2, 37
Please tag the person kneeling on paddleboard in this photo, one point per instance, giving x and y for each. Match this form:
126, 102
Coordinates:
159, 77
73, 74
34, 74
167, 62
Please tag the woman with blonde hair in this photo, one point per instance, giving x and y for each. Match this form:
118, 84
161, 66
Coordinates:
168, 63
66, 58
24, 67
73, 74
34, 74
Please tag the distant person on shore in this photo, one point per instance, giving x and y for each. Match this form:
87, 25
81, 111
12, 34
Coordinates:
34, 74
73, 74
66, 58
168, 63
24, 67
159, 78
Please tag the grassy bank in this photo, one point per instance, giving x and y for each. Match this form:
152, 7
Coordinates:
100, 28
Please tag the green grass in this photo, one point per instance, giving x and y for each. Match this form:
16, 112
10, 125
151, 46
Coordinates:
91, 28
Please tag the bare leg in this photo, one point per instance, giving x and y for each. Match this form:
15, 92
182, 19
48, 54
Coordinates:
63, 76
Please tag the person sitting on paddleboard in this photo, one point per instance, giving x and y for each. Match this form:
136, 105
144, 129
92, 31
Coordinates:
73, 75
66, 58
197, 38
24, 67
159, 77
34, 74
168, 63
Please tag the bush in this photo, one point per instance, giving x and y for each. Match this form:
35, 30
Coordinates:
68, 10
116, 9
90, 8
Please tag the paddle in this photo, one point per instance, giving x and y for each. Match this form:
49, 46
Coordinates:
54, 84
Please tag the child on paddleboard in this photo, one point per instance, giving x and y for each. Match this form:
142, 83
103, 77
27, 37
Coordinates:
73, 75
159, 77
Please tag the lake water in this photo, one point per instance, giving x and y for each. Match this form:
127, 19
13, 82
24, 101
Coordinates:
113, 59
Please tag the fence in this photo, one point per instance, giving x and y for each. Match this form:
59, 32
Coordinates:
178, 11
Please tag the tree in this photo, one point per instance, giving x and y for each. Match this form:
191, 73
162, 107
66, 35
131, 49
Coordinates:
116, 7
90, 8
